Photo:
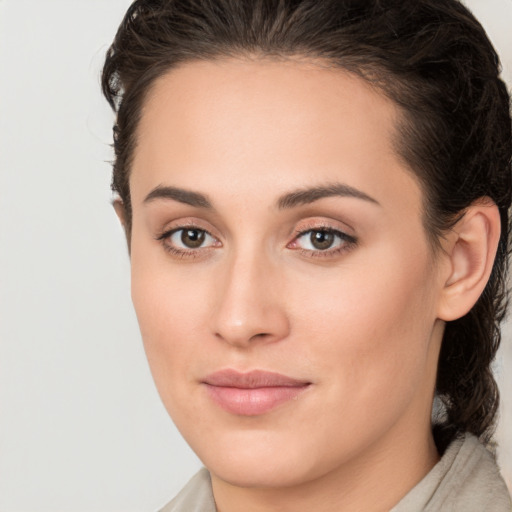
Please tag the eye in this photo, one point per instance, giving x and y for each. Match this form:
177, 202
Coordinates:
323, 241
186, 240
320, 240
189, 238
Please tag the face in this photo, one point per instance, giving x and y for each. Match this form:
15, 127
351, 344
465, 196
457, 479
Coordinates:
281, 274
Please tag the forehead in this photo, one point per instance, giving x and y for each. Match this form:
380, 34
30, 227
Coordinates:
278, 122
229, 94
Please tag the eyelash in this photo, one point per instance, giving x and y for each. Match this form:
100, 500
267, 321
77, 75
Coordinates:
183, 253
347, 242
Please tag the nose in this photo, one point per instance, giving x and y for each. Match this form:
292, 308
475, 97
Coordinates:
249, 304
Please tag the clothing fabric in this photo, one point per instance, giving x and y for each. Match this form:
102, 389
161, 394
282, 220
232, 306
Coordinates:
196, 496
466, 479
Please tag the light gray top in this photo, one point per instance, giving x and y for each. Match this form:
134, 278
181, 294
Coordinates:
466, 479
196, 496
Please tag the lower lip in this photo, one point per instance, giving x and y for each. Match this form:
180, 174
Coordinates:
253, 402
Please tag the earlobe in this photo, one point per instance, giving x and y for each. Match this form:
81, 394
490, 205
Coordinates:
472, 245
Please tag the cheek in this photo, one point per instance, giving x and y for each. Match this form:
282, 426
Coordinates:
169, 316
371, 323
169, 312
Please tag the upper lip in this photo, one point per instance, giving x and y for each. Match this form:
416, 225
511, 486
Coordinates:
251, 380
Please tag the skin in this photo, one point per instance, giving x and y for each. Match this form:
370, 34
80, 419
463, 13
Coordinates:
362, 321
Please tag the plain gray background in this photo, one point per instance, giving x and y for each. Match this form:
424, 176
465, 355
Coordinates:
81, 425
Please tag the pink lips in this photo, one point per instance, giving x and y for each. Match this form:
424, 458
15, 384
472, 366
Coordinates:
252, 393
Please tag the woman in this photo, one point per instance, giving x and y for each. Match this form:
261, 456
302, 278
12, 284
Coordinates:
315, 196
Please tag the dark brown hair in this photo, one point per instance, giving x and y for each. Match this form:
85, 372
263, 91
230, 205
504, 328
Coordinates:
431, 57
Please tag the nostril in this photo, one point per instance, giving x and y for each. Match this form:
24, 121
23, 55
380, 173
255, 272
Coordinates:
261, 335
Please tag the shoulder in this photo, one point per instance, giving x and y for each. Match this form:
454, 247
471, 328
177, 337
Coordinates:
466, 479
473, 481
196, 496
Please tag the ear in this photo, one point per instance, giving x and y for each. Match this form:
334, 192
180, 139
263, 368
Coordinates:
121, 215
470, 248
120, 211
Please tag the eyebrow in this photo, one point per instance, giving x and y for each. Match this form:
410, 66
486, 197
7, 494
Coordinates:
310, 195
286, 201
178, 194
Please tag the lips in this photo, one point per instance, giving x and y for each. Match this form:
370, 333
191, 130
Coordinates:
252, 393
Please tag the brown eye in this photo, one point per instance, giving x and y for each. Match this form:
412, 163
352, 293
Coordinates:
188, 240
192, 238
322, 240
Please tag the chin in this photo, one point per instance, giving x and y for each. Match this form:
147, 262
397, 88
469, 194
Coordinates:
261, 460
259, 473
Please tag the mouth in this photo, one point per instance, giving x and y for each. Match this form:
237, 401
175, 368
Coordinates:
252, 393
